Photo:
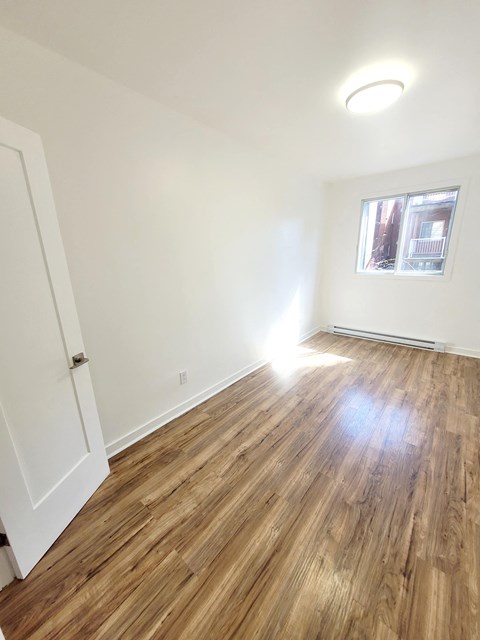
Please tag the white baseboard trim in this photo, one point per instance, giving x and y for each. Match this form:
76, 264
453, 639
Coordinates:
309, 334
461, 351
449, 348
144, 430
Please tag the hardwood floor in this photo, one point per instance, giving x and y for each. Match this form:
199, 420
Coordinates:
337, 497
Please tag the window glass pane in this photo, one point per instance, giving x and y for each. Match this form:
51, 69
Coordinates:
428, 219
379, 234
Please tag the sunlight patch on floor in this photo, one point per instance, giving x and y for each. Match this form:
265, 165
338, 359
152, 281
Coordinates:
297, 358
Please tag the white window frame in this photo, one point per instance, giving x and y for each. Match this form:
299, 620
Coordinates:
397, 272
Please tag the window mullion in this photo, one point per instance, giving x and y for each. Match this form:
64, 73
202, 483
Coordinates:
401, 234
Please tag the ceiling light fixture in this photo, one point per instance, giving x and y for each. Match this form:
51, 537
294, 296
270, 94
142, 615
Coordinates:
374, 96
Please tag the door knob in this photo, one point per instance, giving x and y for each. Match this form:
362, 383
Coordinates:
78, 359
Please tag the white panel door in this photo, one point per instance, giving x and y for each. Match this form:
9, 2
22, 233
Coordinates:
52, 455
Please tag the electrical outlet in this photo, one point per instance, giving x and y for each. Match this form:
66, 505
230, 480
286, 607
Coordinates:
183, 377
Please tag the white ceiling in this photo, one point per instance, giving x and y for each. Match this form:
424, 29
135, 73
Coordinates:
274, 72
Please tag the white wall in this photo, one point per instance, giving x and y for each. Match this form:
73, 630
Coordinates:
446, 309
186, 249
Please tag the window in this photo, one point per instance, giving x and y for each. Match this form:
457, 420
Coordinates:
407, 234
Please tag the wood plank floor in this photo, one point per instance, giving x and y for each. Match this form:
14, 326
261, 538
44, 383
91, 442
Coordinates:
335, 497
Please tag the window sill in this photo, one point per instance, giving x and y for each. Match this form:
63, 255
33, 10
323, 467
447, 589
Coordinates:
441, 277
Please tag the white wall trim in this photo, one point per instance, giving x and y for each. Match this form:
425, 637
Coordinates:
2, 637
449, 348
309, 334
144, 430
462, 351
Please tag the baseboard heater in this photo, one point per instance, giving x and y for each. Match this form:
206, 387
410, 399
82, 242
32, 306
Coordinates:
431, 345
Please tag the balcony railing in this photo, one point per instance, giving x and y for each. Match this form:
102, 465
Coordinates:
426, 248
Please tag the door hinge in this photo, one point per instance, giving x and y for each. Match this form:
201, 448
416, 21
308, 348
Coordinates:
78, 360
4, 540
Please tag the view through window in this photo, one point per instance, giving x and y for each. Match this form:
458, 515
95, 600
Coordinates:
407, 234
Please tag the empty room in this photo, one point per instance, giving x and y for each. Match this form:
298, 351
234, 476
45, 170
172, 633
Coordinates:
239, 320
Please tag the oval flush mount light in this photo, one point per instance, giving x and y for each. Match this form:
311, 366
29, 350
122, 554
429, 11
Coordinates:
374, 96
